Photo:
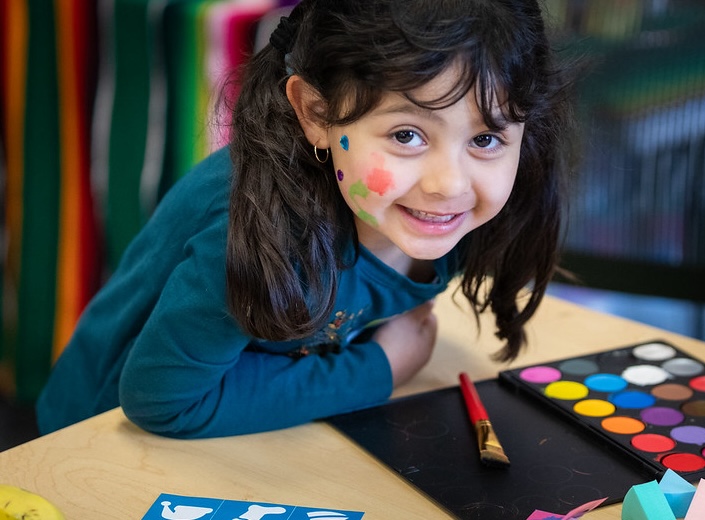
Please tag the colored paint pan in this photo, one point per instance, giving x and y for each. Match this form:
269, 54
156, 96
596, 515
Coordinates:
645, 400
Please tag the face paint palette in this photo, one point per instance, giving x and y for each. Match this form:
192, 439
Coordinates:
427, 439
647, 400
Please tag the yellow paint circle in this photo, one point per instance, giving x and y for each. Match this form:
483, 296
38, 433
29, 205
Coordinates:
566, 390
594, 408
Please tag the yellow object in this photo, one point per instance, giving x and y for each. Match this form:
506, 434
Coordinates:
19, 504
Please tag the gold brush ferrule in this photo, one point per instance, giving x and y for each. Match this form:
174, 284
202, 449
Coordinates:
488, 442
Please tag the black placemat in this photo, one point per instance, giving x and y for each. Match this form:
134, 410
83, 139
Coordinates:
428, 440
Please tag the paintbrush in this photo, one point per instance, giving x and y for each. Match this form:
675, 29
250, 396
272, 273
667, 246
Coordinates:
491, 451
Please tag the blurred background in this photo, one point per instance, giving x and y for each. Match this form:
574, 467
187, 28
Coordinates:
105, 104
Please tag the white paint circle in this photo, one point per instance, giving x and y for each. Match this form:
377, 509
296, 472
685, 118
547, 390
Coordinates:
654, 352
644, 375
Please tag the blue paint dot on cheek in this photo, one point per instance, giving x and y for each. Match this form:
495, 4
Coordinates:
345, 143
340, 175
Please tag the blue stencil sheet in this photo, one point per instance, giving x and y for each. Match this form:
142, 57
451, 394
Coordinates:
179, 507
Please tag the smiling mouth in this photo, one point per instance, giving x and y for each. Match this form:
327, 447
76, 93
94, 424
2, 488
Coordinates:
431, 217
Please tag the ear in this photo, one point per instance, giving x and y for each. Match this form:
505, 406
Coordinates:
308, 104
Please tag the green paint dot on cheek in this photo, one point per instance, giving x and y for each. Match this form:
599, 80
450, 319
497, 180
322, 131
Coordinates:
359, 190
370, 219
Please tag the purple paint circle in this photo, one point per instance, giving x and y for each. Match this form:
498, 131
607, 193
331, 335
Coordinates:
689, 434
341, 175
540, 374
662, 416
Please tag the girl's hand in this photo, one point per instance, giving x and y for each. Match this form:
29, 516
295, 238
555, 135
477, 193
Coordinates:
408, 341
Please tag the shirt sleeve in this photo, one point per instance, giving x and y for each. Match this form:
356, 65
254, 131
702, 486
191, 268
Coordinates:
189, 374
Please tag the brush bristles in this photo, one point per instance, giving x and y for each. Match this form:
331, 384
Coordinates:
491, 451
494, 457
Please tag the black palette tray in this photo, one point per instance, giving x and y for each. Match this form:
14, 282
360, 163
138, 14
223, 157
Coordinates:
428, 440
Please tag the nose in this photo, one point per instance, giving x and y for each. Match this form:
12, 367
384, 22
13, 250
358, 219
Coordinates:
447, 175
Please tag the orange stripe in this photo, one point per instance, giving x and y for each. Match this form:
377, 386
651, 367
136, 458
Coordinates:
68, 264
16, 35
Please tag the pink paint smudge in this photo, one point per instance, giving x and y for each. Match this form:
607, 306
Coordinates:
380, 180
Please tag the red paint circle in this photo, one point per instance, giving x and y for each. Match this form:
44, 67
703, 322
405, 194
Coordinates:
683, 462
698, 383
653, 442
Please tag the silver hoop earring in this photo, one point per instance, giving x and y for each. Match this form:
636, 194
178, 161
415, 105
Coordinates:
315, 153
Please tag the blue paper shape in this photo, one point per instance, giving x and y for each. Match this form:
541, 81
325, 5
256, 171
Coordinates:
179, 507
646, 502
678, 492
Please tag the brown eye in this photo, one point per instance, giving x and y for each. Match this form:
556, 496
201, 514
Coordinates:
404, 136
483, 141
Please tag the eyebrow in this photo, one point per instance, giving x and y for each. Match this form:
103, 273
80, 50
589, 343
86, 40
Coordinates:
408, 107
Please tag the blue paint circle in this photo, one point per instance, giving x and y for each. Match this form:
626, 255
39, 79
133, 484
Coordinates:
632, 399
605, 383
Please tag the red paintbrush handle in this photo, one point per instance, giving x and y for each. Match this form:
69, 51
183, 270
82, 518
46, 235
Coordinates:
472, 400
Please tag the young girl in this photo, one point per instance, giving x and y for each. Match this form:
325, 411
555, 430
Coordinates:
381, 147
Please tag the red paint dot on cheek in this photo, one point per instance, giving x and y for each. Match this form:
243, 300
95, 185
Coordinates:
379, 181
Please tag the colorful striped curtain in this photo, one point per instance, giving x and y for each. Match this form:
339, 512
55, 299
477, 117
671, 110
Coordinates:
103, 106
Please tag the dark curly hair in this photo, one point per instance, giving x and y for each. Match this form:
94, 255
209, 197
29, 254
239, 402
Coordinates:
289, 223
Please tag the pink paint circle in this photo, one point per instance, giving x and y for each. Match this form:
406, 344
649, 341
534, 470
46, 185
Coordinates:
683, 462
698, 383
540, 374
653, 442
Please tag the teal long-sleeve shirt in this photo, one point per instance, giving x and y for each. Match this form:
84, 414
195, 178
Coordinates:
158, 339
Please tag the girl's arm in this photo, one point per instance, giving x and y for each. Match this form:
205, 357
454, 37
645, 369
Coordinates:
189, 375
408, 341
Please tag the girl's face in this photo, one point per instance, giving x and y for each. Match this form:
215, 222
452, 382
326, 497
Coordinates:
419, 180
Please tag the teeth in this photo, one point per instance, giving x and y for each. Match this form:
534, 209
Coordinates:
430, 217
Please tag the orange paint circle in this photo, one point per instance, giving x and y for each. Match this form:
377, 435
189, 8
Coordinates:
623, 425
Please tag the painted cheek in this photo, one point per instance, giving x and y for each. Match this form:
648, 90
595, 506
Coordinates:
380, 181
360, 190
340, 175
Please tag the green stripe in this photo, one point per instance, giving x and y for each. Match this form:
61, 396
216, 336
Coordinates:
184, 122
128, 131
36, 300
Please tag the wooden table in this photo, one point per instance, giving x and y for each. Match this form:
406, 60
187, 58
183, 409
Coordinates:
108, 468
